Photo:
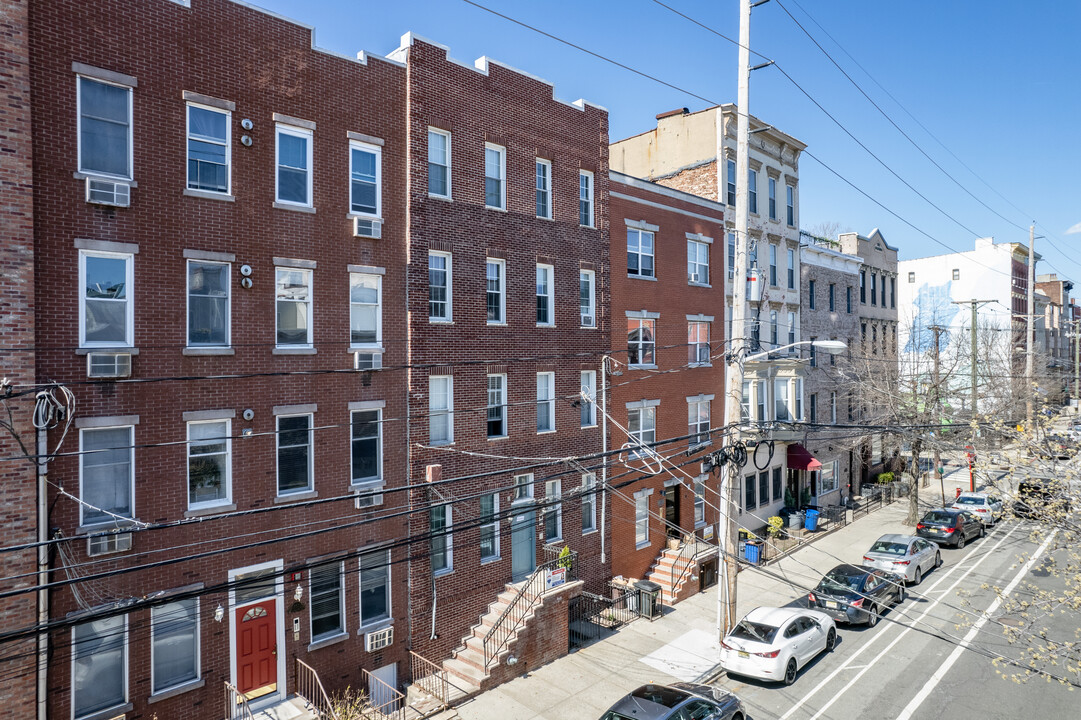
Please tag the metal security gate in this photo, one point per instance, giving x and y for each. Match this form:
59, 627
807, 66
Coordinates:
594, 616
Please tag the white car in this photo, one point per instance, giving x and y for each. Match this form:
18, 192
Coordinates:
774, 643
987, 507
905, 555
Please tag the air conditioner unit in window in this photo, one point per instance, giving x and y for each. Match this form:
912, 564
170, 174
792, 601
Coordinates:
703, 353
108, 192
695, 278
368, 499
588, 321
367, 228
378, 640
367, 361
108, 364
107, 544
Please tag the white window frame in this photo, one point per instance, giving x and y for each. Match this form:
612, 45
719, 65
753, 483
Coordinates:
583, 274
790, 203
79, 79
501, 404
228, 303
641, 518
447, 136
502, 274
228, 147
277, 455
154, 689
795, 395
745, 402
695, 346
309, 137
448, 536
341, 603
449, 260
546, 175
103, 712
550, 272
832, 474
589, 407
491, 524
523, 488
730, 184
546, 397
83, 453
774, 279
772, 199
694, 265
700, 501
833, 408
387, 566
502, 179
228, 479
589, 503
791, 268
553, 493
752, 191
642, 344
694, 426
309, 304
129, 298
773, 328
792, 328
731, 255
643, 436
448, 411
587, 192
652, 255
378, 344
378, 477
378, 152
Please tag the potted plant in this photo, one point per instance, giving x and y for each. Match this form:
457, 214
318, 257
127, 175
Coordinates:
884, 478
775, 527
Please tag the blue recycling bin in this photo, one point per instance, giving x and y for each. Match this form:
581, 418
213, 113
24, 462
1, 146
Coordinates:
752, 551
810, 520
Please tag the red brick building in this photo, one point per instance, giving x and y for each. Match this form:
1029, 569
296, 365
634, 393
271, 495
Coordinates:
668, 341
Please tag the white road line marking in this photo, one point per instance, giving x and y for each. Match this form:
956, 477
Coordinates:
935, 679
799, 703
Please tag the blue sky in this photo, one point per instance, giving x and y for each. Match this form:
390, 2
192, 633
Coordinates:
995, 82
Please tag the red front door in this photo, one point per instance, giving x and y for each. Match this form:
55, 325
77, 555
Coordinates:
257, 651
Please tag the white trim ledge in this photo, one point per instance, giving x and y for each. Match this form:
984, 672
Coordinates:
174, 691
295, 409
107, 421
208, 195
207, 352
297, 208
110, 714
295, 497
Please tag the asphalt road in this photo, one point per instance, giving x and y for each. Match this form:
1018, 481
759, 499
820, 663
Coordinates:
924, 659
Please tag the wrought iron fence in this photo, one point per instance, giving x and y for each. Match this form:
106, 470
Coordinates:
593, 616
236, 704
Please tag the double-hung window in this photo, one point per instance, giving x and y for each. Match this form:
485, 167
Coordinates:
832, 300
293, 292
545, 295
209, 464
813, 352
366, 440
375, 582
523, 487
439, 287
489, 527
107, 474
745, 402
365, 179
585, 198
848, 299
893, 292
441, 545
639, 252
438, 163
294, 162
106, 316
587, 301
496, 298
641, 519
813, 407
546, 402
791, 269
589, 503
752, 191
365, 311
731, 189
760, 401
497, 406
295, 467
588, 403
833, 408
105, 137
698, 421
642, 427
773, 328
772, 265
495, 174
209, 149
174, 644
790, 193
327, 601
697, 262
699, 503
749, 495
780, 400
208, 304
553, 511
440, 409
811, 294
731, 254
698, 343
544, 189
99, 666
640, 341
863, 287
772, 199
797, 399
874, 289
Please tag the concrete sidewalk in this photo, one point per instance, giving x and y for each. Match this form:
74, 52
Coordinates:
681, 645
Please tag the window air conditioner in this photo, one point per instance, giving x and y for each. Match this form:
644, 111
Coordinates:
695, 278
367, 361
367, 228
108, 192
378, 640
368, 499
587, 321
108, 364
107, 544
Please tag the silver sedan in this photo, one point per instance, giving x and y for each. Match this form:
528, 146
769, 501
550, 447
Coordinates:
905, 555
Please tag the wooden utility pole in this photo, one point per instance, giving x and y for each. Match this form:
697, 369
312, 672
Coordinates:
936, 397
1030, 331
974, 397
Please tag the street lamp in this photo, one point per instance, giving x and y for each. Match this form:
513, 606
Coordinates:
833, 347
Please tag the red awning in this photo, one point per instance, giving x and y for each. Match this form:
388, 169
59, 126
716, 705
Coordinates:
800, 459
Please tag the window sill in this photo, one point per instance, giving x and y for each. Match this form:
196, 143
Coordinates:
446, 443
295, 208
497, 209
587, 327
492, 438
109, 714
587, 427
207, 351
107, 525
642, 545
363, 216
641, 277
444, 198
643, 367
176, 690
439, 321
213, 510
587, 227
697, 365
546, 432
328, 641
490, 560
441, 573
377, 625
108, 178
589, 532
497, 323
294, 351
208, 195
701, 285
106, 349
544, 217
296, 497
546, 325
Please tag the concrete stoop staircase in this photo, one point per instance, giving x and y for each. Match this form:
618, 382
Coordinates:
292, 708
661, 572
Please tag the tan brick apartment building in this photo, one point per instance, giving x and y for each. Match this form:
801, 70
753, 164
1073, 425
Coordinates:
668, 346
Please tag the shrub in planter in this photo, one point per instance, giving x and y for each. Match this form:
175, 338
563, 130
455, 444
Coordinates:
776, 526
885, 477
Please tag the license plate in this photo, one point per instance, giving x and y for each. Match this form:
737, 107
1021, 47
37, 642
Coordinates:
744, 654
832, 605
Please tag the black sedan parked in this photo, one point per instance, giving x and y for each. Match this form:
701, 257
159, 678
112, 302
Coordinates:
853, 594
950, 527
678, 701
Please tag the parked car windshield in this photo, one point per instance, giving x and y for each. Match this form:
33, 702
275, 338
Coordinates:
841, 580
889, 548
669, 697
969, 501
757, 632
936, 517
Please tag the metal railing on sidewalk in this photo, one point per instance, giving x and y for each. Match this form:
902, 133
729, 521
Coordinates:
310, 687
430, 678
384, 699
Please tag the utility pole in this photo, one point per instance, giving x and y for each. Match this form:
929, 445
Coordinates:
935, 399
726, 597
974, 398
1076, 367
1030, 332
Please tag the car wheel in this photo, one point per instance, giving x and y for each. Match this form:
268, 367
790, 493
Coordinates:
918, 577
961, 540
938, 559
900, 593
831, 640
872, 616
790, 672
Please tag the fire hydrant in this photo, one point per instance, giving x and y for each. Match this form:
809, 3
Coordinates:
958, 493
